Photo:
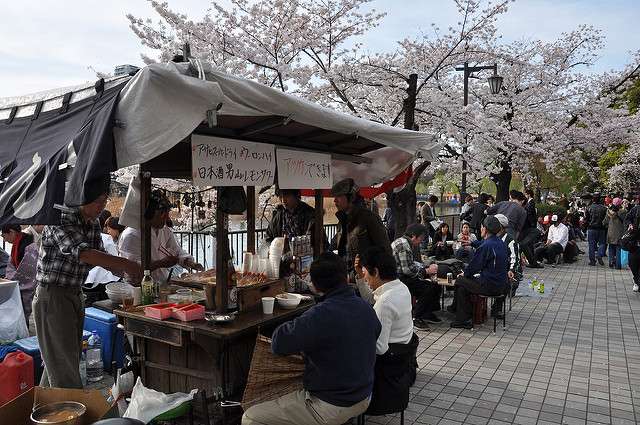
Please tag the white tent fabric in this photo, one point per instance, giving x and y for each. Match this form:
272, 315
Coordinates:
161, 106
158, 108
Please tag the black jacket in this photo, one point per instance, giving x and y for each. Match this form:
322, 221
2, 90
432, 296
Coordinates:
478, 214
532, 215
305, 217
595, 215
358, 231
395, 373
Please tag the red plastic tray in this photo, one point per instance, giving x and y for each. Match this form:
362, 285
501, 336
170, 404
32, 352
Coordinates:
189, 312
159, 311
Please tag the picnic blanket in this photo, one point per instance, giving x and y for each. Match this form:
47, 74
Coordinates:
271, 376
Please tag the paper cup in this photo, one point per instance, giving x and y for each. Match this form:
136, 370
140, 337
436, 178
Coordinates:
137, 295
267, 305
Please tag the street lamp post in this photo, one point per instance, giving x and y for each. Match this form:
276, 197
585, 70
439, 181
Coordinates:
495, 84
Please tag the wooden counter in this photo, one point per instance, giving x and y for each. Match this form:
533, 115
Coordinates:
180, 356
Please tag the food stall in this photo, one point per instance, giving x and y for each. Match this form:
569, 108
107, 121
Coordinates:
190, 121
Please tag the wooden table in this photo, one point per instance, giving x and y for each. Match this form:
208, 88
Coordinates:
180, 356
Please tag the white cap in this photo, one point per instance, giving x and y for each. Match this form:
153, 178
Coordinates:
554, 217
504, 221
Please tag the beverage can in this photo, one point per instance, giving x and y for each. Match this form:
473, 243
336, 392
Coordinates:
449, 278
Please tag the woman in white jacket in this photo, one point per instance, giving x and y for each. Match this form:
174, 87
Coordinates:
378, 283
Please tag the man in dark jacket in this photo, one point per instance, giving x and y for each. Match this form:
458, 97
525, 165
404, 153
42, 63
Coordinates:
491, 262
338, 339
359, 229
477, 213
530, 234
596, 232
428, 214
513, 210
292, 218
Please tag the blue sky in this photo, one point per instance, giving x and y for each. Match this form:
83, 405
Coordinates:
47, 44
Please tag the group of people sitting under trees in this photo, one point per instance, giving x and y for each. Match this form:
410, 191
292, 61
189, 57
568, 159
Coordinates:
378, 289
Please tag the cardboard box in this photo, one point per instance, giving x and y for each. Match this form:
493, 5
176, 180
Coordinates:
18, 411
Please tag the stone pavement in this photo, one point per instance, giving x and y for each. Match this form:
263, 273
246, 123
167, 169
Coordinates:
572, 358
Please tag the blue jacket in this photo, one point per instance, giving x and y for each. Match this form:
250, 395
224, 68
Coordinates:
491, 261
338, 339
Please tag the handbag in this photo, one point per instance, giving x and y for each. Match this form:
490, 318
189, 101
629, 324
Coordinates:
629, 241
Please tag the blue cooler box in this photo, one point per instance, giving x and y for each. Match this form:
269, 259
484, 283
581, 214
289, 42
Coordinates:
31, 347
105, 324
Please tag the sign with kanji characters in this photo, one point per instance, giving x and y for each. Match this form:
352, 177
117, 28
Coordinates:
303, 170
226, 162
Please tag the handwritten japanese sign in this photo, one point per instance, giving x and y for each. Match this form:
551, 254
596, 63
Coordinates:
304, 170
226, 162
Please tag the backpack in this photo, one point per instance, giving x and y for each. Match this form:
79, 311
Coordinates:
452, 265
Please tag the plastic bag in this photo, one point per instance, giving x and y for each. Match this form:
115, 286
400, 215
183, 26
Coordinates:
146, 403
130, 215
12, 323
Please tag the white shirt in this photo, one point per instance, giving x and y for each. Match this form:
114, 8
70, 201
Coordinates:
559, 234
98, 274
392, 304
129, 248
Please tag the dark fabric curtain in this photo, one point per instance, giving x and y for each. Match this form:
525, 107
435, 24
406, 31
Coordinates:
32, 148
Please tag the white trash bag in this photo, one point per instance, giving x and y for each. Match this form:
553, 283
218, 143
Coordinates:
146, 403
12, 323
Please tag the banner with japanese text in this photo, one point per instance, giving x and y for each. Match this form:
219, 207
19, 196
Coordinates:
218, 161
303, 170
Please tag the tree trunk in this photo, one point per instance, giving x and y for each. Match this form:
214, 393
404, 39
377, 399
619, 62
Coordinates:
403, 203
502, 181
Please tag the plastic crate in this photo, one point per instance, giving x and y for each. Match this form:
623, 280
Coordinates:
105, 324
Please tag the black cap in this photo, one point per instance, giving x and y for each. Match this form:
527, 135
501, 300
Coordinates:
492, 224
345, 187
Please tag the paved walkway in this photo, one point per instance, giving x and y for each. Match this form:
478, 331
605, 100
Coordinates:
572, 358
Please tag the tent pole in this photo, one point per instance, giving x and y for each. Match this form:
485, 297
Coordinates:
251, 220
145, 228
222, 258
318, 243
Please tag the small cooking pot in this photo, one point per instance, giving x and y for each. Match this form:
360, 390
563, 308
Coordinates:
59, 413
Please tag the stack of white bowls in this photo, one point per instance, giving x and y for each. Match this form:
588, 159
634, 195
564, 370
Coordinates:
116, 291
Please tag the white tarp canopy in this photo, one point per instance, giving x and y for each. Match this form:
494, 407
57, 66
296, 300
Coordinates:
163, 104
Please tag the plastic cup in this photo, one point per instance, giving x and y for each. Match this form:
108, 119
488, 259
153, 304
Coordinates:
267, 305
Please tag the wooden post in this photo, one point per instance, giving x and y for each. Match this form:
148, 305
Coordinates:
145, 228
318, 245
251, 220
222, 259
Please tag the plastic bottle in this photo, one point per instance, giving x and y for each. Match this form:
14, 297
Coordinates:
147, 285
541, 289
95, 366
83, 363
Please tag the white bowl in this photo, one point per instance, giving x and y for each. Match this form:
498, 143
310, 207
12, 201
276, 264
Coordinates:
287, 300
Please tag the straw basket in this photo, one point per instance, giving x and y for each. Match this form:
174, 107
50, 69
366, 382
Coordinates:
271, 376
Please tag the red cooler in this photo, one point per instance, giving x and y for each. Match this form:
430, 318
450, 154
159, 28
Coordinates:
16, 375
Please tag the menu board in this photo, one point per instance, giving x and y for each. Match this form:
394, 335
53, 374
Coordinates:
217, 161
304, 170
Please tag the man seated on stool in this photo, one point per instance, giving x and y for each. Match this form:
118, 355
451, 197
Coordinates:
486, 274
338, 339
557, 240
413, 274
